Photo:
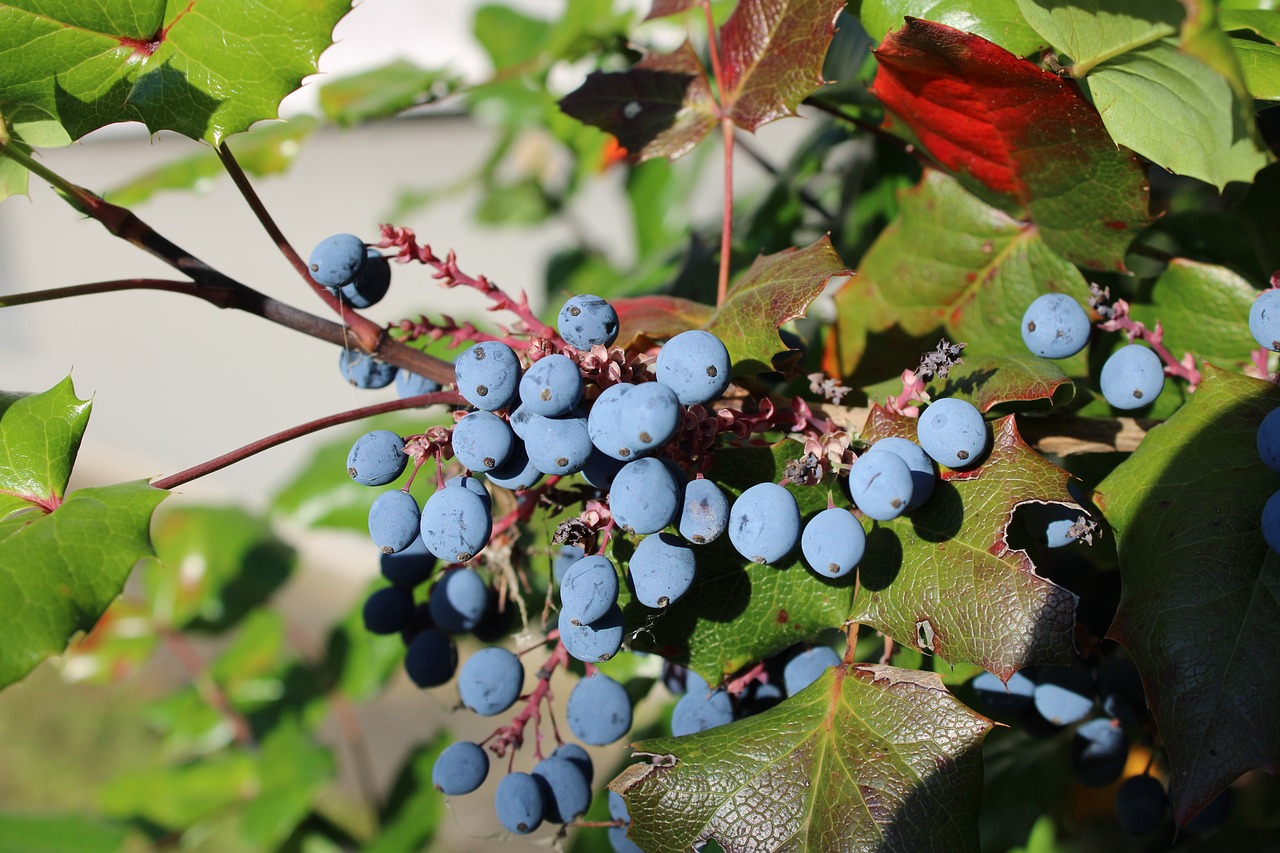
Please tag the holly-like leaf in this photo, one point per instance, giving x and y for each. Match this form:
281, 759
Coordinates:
772, 53
950, 261
658, 316
1200, 592
738, 612
268, 149
944, 577
203, 69
660, 107
998, 21
776, 289
385, 91
868, 757
1203, 309
1016, 134
62, 559
1093, 31
990, 381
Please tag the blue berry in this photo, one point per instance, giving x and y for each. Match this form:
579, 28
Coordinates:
1271, 522
601, 468
455, 524
998, 697
807, 667
593, 642
699, 710
376, 458
704, 513
662, 570
1269, 440
370, 284
565, 793
482, 441
695, 364
589, 589
620, 843
410, 567
586, 321
490, 681
410, 384
365, 371
1064, 695
833, 543
952, 432
460, 769
558, 446
1055, 326
880, 484
1099, 752
618, 807
630, 421
644, 497
924, 474
578, 757
488, 375
473, 485
387, 610
519, 803
566, 557
394, 521
458, 601
764, 523
1264, 319
1141, 804
431, 658
1132, 377
335, 260
518, 472
551, 387
599, 710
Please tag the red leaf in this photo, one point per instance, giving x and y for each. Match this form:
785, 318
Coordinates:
772, 56
660, 107
1020, 133
658, 316
662, 8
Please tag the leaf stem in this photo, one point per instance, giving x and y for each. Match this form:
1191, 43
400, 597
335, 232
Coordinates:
727, 134
213, 286
367, 332
254, 448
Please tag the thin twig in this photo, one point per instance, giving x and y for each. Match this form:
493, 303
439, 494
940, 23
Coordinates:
774, 172
198, 670
727, 134
254, 448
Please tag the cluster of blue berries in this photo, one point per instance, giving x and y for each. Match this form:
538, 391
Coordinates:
1264, 324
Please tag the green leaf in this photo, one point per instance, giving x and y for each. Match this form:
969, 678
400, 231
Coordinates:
40, 435
203, 70
181, 796
867, 757
121, 642
268, 149
659, 316
66, 567
216, 565
61, 833
772, 53
1200, 591
292, 770
1093, 31
1260, 64
1171, 107
1204, 309
944, 578
1264, 23
1019, 136
13, 175
950, 261
776, 289
414, 808
509, 37
738, 612
384, 92
998, 21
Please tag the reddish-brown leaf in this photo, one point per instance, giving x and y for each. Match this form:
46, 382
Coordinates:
772, 53
658, 316
662, 8
1016, 134
660, 107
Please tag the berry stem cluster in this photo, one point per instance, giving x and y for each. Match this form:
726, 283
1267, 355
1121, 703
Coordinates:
1116, 318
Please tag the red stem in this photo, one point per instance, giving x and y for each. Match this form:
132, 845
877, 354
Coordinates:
175, 480
205, 684
726, 133
511, 736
